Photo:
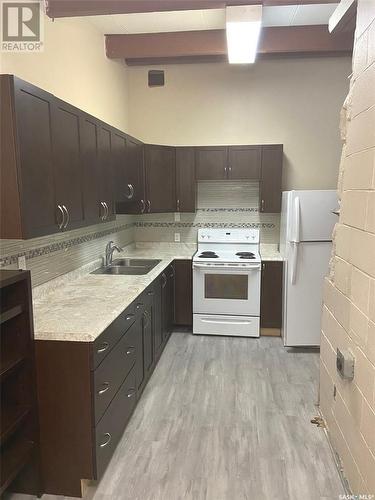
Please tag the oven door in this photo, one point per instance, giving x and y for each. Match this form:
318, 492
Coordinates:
226, 289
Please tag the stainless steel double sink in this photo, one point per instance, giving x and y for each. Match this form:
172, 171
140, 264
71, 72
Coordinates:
128, 266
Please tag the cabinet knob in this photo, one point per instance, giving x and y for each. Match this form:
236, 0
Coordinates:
67, 217
131, 393
130, 194
103, 347
129, 317
105, 388
262, 206
60, 224
143, 206
130, 350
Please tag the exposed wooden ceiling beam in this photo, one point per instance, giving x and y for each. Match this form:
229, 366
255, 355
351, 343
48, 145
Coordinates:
74, 8
200, 45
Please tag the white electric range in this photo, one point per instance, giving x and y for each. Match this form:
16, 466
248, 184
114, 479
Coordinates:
226, 282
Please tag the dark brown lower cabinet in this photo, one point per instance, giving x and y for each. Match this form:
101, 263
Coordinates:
87, 391
271, 298
183, 312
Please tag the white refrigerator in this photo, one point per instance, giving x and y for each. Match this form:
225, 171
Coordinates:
306, 229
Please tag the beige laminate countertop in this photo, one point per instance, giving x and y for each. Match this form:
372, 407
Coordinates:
79, 306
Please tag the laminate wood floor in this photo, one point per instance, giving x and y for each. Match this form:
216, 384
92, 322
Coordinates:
224, 419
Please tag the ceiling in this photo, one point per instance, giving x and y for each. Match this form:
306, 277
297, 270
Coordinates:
210, 19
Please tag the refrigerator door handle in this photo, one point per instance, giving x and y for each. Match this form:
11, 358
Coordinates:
297, 221
293, 274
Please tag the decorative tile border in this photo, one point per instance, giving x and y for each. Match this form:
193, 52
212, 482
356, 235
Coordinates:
253, 225
62, 245
239, 210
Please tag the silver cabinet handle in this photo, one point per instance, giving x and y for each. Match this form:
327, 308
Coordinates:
103, 347
130, 195
143, 207
108, 439
106, 210
102, 217
164, 280
60, 225
106, 387
225, 169
139, 305
178, 205
172, 273
149, 205
129, 317
130, 350
262, 206
67, 216
131, 393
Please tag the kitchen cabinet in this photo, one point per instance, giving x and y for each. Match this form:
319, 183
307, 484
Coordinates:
160, 178
271, 298
87, 391
270, 179
244, 162
19, 433
211, 162
185, 179
168, 299
183, 312
67, 164
28, 204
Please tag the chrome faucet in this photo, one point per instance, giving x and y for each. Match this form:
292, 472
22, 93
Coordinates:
109, 249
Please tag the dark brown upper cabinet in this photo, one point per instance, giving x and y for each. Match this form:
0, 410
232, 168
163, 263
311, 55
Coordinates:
67, 163
130, 181
185, 179
270, 180
28, 204
106, 173
160, 176
244, 162
89, 139
211, 162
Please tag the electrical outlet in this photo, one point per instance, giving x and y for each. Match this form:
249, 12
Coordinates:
177, 237
177, 216
22, 262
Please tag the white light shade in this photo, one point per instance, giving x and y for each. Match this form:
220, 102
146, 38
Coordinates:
243, 25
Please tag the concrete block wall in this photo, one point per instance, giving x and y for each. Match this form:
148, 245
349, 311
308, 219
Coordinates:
348, 320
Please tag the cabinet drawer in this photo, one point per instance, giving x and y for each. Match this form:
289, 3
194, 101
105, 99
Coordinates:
110, 428
109, 338
109, 376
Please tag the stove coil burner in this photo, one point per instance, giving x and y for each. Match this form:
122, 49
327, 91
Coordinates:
246, 255
208, 255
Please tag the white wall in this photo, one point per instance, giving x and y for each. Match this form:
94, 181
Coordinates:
291, 101
74, 67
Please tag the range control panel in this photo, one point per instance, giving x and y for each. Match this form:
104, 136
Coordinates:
209, 235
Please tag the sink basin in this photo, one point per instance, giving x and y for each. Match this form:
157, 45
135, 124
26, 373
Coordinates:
128, 266
136, 262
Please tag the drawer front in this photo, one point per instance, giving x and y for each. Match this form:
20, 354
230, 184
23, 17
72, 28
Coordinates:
111, 427
109, 376
109, 338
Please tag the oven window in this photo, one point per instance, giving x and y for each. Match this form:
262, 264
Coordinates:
225, 286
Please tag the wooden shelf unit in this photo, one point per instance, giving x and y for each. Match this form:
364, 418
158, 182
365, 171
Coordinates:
19, 432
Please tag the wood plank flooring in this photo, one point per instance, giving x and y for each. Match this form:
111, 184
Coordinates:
224, 419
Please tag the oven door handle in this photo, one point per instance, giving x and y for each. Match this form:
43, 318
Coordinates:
227, 268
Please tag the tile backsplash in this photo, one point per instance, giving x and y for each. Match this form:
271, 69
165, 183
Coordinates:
51, 256
219, 204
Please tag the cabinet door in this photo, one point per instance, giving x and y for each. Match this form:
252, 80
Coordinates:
244, 162
33, 109
160, 171
211, 163
271, 295
183, 292
106, 174
139, 364
89, 137
185, 180
168, 301
148, 344
67, 162
120, 167
157, 316
270, 182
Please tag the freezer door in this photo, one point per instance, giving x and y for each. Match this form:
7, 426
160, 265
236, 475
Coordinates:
303, 292
312, 218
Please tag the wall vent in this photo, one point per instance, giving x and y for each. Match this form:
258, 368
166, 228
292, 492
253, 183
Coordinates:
156, 78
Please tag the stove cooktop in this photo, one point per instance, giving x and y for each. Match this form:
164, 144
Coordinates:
228, 256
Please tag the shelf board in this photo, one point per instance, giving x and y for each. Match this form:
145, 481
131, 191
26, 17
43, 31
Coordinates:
13, 459
10, 313
10, 365
11, 418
